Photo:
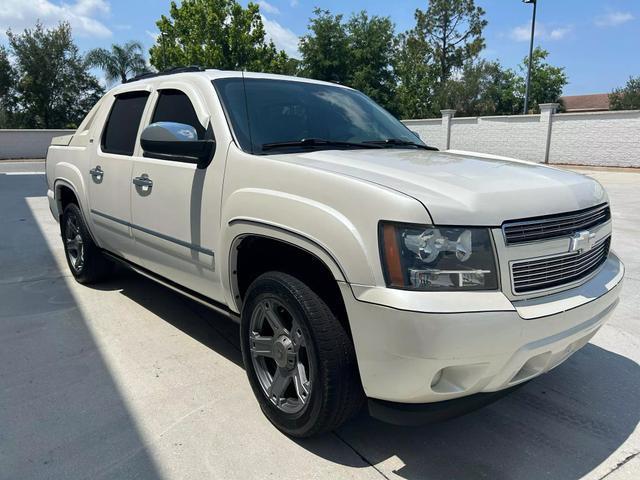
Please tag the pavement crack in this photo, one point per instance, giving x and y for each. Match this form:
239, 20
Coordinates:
362, 457
620, 464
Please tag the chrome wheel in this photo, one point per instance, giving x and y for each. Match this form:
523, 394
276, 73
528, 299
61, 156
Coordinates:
73, 243
280, 357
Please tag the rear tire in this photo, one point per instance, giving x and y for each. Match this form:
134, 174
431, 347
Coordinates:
299, 359
85, 260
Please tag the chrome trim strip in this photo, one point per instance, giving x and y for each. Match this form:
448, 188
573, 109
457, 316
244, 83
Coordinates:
177, 241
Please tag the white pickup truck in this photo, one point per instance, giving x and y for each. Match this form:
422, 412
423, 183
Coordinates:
362, 264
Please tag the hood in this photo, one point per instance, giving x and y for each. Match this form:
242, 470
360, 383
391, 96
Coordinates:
464, 188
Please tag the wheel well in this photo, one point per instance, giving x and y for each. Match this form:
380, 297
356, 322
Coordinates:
257, 255
65, 197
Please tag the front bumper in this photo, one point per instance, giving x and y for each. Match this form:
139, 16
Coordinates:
430, 348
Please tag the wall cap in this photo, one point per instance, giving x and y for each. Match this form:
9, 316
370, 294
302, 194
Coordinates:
417, 121
545, 107
32, 130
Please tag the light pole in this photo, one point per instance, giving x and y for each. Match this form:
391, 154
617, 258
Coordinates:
533, 30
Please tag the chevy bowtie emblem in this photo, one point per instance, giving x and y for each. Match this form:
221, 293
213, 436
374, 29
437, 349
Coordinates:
582, 241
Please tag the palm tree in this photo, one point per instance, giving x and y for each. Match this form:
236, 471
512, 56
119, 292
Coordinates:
119, 63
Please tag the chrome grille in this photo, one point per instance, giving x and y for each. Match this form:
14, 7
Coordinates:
551, 272
552, 226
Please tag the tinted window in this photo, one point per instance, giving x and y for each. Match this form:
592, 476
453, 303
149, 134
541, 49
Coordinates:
265, 111
122, 126
175, 106
231, 91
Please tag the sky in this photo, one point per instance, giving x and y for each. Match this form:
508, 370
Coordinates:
597, 41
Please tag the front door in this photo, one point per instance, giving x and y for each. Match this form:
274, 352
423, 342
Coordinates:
175, 206
109, 172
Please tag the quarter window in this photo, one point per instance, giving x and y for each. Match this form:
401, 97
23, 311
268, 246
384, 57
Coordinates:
122, 125
175, 106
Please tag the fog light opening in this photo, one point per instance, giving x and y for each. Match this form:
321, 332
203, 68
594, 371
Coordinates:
436, 378
458, 378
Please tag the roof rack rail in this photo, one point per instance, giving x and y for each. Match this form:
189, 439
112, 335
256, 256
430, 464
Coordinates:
170, 71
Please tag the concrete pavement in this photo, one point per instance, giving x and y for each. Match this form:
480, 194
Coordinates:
130, 380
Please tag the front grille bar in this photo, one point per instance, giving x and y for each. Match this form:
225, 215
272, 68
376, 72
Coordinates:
553, 226
545, 273
541, 280
574, 261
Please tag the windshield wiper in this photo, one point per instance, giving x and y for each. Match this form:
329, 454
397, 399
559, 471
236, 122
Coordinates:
317, 142
397, 142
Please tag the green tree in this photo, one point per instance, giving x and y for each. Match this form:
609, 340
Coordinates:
325, 50
413, 66
119, 63
289, 66
6, 73
371, 49
215, 34
627, 97
547, 81
453, 28
53, 86
358, 53
483, 88
7, 79
446, 37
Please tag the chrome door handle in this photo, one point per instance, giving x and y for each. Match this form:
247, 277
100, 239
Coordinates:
97, 173
143, 181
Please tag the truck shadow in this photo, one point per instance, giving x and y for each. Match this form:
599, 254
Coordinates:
61, 413
561, 425
211, 329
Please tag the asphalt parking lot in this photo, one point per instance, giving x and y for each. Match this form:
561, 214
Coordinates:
128, 380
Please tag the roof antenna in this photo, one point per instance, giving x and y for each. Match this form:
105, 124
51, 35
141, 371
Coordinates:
164, 56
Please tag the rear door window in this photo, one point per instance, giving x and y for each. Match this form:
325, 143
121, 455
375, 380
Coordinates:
175, 106
120, 133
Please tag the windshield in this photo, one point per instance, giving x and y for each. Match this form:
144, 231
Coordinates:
266, 113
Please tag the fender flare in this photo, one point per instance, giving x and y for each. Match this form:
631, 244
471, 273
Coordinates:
70, 175
61, 182
242, 227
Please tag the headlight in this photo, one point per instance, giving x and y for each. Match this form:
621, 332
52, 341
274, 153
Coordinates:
437, 258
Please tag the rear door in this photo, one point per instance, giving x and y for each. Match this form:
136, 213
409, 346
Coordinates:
109, 172
176, 218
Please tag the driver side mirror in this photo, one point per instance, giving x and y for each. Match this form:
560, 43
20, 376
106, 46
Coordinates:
177, 142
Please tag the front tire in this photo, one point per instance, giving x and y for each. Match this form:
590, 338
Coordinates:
85, 260
299, 359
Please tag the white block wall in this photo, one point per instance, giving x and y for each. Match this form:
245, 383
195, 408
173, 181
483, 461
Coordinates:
602, 138
27, 143
520, 137
431, 131
596, 138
